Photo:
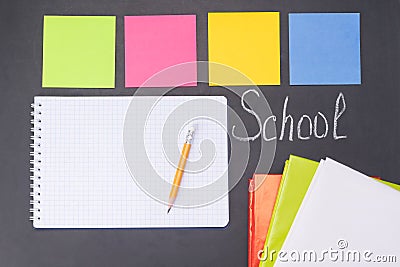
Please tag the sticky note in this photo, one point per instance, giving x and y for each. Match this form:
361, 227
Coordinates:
156, 43
324, 48
79, 51
246, 42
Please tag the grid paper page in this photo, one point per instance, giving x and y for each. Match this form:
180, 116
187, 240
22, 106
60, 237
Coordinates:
84, 178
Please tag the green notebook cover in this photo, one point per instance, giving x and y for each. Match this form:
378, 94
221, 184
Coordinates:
395, 186
296, 179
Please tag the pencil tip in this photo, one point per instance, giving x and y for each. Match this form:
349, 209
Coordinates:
168, 210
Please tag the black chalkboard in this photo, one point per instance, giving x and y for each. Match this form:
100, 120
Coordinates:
370, 122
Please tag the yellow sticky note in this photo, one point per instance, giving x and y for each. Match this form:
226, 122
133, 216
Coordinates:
245, 47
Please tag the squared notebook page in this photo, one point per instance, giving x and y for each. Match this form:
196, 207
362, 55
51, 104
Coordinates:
348, 212
84, 179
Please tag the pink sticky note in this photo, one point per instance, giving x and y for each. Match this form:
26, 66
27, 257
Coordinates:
156, 43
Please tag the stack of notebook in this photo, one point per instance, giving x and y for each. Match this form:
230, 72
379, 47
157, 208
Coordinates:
322, 214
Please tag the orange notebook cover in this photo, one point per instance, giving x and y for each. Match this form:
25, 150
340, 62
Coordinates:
262, 196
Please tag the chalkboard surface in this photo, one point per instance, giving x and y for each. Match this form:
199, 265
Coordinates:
370, 122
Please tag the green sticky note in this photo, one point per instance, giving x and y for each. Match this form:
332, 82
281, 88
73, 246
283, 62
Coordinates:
79, 51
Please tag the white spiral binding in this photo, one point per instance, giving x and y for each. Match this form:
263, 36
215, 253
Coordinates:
36, 162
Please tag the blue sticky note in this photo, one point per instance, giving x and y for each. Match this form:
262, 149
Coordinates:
324, 48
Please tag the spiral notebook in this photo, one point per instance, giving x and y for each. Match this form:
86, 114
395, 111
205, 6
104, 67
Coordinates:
81, 176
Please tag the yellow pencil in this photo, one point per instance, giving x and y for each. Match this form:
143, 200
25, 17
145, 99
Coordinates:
180, 169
